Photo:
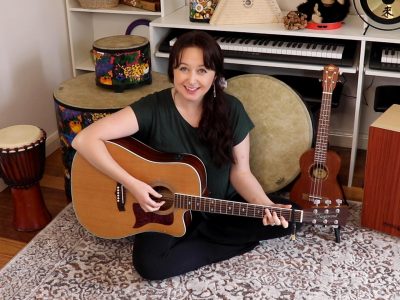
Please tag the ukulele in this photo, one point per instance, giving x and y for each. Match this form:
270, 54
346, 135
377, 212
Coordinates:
107, 210
319, 167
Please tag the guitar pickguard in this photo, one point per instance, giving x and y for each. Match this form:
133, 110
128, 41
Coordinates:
144, 218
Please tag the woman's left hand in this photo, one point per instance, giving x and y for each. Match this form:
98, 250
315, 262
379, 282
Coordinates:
273, 219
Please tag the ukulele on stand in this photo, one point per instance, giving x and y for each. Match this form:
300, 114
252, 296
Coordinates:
318, 184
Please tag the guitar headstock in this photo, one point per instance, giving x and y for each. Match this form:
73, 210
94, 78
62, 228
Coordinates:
326, 215
330, 77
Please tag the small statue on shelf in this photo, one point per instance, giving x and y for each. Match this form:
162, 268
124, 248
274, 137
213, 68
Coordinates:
295, 20
325, 11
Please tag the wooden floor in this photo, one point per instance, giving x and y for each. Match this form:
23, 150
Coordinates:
52, 186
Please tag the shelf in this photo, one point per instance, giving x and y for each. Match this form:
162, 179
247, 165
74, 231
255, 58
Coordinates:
376, 35
120, 9
381, 73
352, 28
85, 65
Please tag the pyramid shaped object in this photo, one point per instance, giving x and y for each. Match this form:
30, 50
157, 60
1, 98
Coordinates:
233, 12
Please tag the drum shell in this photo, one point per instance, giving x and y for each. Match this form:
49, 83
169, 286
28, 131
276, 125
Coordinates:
122, 69
23, 167
70, 121
78, 103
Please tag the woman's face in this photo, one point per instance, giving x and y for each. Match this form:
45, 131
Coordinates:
192, 79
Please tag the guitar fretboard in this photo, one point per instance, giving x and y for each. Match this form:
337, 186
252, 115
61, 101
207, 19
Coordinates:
234, 208
321, 144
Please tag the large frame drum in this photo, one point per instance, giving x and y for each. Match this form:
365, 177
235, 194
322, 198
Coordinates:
22, 161
79, 102
283, 128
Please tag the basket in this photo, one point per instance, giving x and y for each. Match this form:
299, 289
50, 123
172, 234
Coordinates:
98, 3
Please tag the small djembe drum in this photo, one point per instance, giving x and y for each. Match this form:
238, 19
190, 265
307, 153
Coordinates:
22, 160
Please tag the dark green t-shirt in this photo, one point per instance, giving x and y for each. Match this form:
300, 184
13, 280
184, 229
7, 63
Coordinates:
163, 128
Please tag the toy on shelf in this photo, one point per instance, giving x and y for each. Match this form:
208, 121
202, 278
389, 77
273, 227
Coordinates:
325, 14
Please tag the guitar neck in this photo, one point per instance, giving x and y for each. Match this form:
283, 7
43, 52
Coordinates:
321, 144
329, 82
234, 208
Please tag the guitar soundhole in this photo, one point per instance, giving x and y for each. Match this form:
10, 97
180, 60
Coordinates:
167, 196
318, 172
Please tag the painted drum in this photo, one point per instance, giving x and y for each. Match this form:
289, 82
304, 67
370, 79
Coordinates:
122, 62
201, 10
79, 102
22, 161
283, 128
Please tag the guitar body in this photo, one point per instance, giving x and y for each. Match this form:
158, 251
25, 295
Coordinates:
107, 210
321, 176
94, 194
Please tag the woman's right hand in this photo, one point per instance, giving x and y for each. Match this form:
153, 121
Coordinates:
142, 192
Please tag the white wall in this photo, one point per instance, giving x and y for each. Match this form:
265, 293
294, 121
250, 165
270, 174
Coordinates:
34, 60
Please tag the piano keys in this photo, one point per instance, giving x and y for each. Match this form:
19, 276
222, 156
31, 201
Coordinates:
279, 48
385, 56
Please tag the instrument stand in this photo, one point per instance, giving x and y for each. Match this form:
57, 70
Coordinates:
337, 234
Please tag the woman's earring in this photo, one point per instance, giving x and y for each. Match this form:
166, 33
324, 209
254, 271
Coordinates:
215, 92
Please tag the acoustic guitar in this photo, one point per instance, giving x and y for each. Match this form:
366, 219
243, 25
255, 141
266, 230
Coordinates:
107, 210
319, 166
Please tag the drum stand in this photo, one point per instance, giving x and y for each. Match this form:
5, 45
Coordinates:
337, 234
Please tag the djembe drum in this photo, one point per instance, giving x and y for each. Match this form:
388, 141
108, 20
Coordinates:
22, 160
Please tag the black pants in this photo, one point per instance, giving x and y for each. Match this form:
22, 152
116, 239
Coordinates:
209, 239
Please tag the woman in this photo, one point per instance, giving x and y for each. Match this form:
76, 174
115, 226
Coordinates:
197, 117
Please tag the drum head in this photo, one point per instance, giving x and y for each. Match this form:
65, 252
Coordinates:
120, 42
18, 136
283, 128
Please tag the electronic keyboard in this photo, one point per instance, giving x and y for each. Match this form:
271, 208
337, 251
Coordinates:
278, 48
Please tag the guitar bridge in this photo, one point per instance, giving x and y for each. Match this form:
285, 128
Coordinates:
120, 196
310, 198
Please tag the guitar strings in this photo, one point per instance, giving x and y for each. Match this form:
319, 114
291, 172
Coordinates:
225, 206
319, 171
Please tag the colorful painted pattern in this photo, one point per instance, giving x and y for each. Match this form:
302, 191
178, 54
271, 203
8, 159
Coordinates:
202, 10
70, 122
122, 70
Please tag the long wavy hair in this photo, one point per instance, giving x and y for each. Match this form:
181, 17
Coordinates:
214, 127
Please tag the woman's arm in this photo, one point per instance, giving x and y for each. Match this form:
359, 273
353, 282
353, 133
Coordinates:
247, 185
90, 144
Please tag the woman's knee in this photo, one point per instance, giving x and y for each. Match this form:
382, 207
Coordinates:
148, 267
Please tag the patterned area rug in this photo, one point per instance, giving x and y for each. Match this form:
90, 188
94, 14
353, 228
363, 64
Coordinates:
64, 261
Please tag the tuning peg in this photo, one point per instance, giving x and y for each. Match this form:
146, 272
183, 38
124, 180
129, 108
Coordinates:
317, 202
328, 202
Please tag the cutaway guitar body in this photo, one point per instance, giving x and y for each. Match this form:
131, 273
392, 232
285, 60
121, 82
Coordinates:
107, 210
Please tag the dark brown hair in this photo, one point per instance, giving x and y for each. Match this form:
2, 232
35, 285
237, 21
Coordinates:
215, 126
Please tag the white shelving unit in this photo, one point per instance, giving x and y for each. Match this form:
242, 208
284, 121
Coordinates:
87, 25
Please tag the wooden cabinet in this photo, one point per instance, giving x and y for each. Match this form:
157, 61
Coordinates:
381, 202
